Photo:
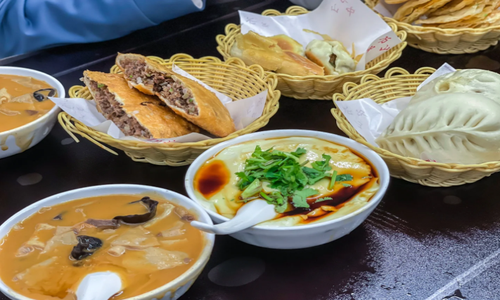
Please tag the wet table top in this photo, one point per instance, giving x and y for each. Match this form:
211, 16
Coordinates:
420, 243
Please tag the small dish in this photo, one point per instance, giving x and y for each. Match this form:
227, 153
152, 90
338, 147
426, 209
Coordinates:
170, 291
301, 236
19, 139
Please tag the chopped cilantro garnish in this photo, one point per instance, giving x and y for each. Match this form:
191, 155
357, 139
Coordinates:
323, 199
254, 188
131, 76
266, 197
281, 203
299, 152
299, 198
332, 180
313, 175
344, 177
171, 90
100, 85
346, 185
244, 180
191, 100
286, 174
322, 165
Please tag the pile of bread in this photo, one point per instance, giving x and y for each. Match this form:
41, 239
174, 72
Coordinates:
453, 119
449, 13
150, 101
284, 55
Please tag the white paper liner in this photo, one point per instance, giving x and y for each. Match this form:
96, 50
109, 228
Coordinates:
370, 119
243, 112
349, 21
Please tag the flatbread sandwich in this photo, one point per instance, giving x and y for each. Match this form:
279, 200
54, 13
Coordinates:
135, 113
184, 96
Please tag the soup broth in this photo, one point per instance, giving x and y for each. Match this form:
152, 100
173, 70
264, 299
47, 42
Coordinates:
17, 104
41, 257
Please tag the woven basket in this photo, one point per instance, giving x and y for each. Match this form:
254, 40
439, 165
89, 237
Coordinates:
446, 41
314, 86
232, 78
399, 83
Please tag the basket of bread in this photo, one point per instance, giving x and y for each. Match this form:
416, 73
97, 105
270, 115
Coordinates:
444, 26
433, 128
314, 53
167, 112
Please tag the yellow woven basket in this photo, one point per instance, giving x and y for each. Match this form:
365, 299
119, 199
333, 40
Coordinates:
446, 41
399, 83
314, 87
232, 78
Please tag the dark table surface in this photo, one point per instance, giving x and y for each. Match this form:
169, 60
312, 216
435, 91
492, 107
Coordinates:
420, 243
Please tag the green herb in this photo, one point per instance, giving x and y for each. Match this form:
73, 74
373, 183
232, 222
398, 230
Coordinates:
344, 177
171, 90
313, 175
299, 152
277, 200
281, 203
244, 180
299, 198
323, 199
266, 197
332, 180
100, 85
322, 165
131, 76
254, 188
191, 100
346, 185
284, 172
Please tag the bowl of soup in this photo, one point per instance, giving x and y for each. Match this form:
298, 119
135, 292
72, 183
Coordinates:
141, 233
323, 185
26, 119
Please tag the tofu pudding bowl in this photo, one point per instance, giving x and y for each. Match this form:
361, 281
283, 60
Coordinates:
140, 233
322, 185
26, 113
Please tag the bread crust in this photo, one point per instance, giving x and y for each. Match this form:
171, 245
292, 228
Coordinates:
286, 43
253, 48
159, 120
212, 116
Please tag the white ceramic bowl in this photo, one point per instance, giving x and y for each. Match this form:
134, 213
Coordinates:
302, 236
22, 138
171, 290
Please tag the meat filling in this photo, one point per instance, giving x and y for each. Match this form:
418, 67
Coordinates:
333, 58
171, 90
112, 110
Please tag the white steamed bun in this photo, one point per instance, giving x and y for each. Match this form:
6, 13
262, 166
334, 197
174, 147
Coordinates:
449, 128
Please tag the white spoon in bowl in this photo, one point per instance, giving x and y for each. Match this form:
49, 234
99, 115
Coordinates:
248, 215
99, 286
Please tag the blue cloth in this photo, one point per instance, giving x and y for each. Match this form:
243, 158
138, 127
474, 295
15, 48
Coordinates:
28, 25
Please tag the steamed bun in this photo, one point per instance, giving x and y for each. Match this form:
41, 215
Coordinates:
481, 82
332, 55
449, 128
